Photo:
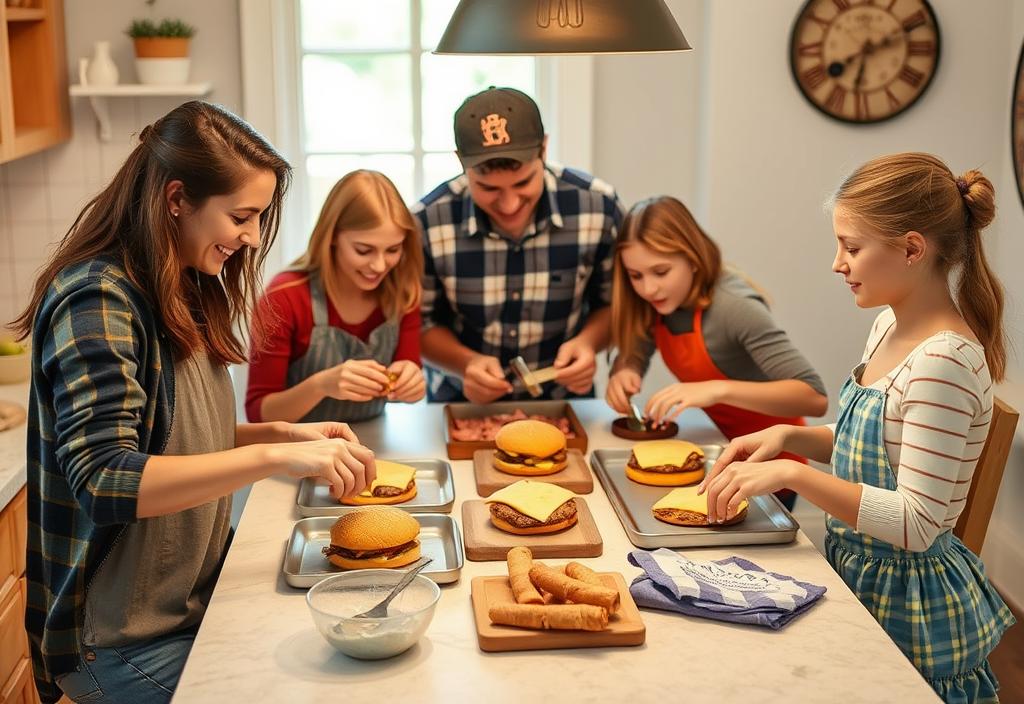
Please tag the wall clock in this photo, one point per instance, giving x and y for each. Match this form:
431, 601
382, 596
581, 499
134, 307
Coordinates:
1017, 127
864, 61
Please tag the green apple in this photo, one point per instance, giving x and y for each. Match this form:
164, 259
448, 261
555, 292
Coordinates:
9, 347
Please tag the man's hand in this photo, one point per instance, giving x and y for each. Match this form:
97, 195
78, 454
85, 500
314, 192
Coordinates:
484, 380
576, 363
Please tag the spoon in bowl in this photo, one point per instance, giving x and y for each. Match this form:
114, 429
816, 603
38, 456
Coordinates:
381, 609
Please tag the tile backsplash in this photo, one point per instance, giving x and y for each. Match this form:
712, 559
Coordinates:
41, 194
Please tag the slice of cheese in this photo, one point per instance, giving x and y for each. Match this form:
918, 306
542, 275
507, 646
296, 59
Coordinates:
654, 453
390, 474
685, 498
538, 500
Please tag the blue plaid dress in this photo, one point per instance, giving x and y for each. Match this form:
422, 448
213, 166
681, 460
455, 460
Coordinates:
937, 605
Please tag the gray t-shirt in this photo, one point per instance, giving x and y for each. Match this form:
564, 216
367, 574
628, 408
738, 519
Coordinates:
742, 338
160, 574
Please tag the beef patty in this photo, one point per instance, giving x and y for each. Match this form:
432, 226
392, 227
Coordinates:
692, 463
385, 491
520, 520
530, 461
370, 554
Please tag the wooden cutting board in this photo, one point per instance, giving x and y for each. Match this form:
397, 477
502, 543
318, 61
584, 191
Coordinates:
485, 542
576, 476
625, 627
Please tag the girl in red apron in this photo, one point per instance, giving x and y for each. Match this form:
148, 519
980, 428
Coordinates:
347, 321
913, 417
713, 330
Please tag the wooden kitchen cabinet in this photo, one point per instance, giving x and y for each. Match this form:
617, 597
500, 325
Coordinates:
16, 684
34, 110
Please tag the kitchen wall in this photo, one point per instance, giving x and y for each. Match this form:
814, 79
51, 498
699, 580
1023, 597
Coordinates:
725, 129
40, 195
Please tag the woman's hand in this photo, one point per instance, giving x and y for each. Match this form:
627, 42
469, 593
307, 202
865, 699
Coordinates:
325, 430
409, 385
668, 403
743, 480
622, 385
761, 446
347, 466
354, 380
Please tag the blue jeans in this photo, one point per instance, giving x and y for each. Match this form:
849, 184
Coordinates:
130, 674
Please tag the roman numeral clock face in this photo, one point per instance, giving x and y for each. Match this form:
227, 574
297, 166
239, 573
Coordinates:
864, 60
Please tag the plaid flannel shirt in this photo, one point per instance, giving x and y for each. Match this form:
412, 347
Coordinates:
100, 404
505, 297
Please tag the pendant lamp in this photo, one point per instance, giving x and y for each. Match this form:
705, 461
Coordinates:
539, 27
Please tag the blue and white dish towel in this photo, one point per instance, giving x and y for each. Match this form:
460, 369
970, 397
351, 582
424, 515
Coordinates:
733, 589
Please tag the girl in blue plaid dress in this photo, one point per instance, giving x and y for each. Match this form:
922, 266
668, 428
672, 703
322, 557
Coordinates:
913, 418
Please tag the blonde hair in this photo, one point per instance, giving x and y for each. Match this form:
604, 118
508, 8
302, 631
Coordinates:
363, 200
900, 193
666, 226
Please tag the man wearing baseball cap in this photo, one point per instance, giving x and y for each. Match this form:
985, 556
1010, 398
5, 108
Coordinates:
518, 259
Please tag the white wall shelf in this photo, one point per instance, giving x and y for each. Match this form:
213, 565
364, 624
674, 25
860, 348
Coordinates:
98, 96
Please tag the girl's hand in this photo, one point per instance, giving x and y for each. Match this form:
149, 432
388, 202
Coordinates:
622, 385
676, 398
409, 386
756, 447
347, 466
355, 380
743, 480
298, 432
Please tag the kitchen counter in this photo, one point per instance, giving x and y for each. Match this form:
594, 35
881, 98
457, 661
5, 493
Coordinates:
12, 446
258, 643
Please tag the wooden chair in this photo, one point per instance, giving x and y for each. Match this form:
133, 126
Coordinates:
973, 522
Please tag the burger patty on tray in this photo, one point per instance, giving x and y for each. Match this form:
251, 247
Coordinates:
384, 491
515, 459
692, 463
370, 554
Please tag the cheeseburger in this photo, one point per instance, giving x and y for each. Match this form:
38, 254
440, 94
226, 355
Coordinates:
666, 463
529, 448
395, 484
683, 507
376, 536
528, 508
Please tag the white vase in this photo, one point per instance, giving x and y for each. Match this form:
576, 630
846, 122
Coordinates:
162, 71
102, 71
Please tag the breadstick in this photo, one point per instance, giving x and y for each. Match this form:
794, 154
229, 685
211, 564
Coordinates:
569, 589
520, 559
583, 573
578, 617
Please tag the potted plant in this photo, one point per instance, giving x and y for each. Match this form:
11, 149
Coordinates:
161, 50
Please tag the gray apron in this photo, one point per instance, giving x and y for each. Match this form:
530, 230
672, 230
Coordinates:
330, 346
160, 574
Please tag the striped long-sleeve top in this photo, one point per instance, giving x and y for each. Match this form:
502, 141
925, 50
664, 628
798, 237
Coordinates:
937, 412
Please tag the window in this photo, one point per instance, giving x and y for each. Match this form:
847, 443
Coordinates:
371, 95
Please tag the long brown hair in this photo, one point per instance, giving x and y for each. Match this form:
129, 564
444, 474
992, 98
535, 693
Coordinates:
363, 200
212, 152
906, 192
665, 225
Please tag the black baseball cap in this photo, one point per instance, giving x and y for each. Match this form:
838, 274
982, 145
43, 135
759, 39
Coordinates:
498, 123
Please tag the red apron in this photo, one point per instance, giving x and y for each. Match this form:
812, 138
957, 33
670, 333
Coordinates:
687, 357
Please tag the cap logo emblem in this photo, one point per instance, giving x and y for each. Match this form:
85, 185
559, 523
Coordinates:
494, 129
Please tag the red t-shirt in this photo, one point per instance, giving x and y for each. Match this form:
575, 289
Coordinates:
288, 339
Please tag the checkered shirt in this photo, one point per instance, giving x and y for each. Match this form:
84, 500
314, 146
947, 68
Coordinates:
505, 297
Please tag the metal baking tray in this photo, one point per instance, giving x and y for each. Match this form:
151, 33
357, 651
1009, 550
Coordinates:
435, 492
305, 563
767, 520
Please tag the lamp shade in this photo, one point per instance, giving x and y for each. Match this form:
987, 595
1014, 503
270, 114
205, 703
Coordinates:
561, 27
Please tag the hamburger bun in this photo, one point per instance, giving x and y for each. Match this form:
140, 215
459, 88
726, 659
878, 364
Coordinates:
530, 448
377, 536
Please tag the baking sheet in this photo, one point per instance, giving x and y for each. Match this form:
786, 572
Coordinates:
767, 520
305, 564
435, 492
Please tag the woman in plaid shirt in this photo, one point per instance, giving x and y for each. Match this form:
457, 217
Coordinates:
133, 450
913, 417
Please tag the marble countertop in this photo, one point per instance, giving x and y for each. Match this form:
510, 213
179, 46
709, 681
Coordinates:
12, 446
258, 642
